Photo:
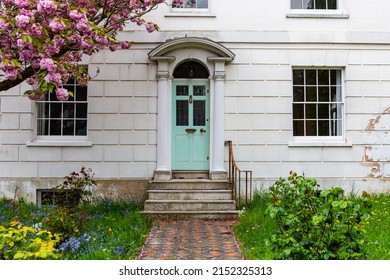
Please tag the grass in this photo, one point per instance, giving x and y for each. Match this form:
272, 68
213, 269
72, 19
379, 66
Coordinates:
255, 227
104, 229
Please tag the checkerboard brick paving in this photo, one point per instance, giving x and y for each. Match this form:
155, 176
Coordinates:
191, 240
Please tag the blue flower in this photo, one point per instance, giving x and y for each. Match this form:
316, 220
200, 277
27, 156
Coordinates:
72, 244
118, 250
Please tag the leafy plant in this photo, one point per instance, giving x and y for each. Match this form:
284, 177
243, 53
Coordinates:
316, 224
22, 242
78, 187
66, 222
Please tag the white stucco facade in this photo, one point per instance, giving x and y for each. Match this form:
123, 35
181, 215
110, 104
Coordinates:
250, 49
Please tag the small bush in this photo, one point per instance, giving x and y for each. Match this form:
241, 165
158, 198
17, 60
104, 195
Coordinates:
79, 186
314, 224
18, 242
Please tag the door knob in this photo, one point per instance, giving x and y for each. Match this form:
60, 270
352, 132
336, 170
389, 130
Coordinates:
203, 130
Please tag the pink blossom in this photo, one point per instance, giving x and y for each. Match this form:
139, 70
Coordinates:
46, 7
11, 74
125, 45
23, 4
36, 96
4, 24
48, 64
150, 27
62, 94
22, 21
83, 26
56, 26
36, 30
76, 15
53, 77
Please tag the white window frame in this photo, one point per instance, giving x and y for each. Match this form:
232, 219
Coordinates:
190, 12
338, 13
57, 140
338, 140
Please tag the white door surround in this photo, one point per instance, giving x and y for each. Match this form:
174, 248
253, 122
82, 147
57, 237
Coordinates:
214, 56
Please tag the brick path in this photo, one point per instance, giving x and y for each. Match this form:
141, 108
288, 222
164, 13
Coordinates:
191, 240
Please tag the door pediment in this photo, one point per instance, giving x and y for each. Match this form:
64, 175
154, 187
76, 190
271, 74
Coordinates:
191, 42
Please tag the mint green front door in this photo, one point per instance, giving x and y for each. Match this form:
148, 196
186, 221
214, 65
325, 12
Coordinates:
191, 126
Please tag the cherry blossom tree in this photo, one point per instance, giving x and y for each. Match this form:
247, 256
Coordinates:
43, 41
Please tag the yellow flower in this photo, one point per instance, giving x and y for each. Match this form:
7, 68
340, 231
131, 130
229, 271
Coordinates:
104, 249
109, 229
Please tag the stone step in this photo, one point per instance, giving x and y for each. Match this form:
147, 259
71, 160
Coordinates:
189, 195
190, 205
185, 215
190, 184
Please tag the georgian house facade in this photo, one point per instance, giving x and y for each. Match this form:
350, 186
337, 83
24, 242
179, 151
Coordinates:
296, 85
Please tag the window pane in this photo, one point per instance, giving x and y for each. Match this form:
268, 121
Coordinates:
299, 128
55, 127
181, 112
311, 77
296, 4
323, 128
81, 93
81, 128
55, 110
298, 77
43, 127
308, 4
335, 77
199, 90
336, 128
323, 77
299, 94
68, 128
320, 4
203, 4
81, 110
323, 111
332, 4
311, 128
182, 90
199, 113
298, 111
68, 110
323, 94
336, 94
311, 94
311, 111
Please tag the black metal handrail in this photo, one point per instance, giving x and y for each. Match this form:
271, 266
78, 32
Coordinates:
235, 178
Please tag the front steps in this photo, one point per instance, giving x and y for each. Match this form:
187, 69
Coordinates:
190, 199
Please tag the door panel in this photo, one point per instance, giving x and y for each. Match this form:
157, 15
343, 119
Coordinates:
190, 139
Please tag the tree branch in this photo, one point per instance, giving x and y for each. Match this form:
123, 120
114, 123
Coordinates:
26, 73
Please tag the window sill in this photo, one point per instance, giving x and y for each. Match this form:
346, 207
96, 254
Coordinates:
191, 14
321, 14
297, 143
59, 143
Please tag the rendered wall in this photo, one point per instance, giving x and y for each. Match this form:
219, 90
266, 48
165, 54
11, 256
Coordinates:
268, 41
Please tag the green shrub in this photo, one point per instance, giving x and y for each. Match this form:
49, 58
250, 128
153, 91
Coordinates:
314, 224
20, 242
79, 186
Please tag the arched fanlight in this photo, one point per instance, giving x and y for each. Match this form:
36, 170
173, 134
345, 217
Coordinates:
191, 70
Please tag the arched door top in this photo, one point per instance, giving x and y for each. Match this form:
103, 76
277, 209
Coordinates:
191, 69
194, 42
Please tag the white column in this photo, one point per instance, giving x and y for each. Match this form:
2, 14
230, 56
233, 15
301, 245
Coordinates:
218, 171
164, 119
